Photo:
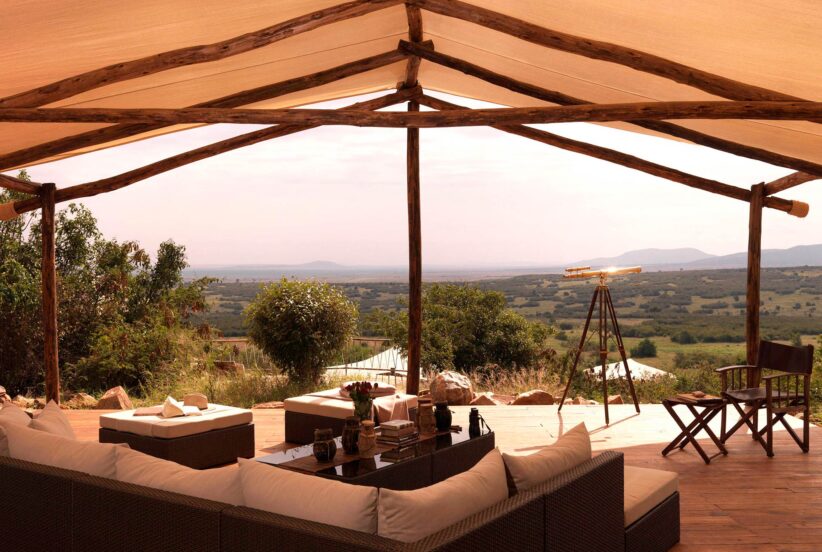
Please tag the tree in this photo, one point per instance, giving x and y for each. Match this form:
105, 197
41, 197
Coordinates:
466, 328
644, 349
301, 326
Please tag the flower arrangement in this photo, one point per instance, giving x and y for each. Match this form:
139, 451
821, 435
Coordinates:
360, 393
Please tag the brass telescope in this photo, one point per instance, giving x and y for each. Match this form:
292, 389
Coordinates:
580, 272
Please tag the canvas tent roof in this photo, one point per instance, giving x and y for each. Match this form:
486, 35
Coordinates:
774, 45
639, 371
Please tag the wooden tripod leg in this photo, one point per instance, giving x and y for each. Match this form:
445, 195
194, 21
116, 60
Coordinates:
621, 347
603, 347
579, 349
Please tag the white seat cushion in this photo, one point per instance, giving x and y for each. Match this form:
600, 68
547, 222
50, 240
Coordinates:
408, 516
53, 420
645, 489
308, 497
530, 469
331, 404
11, 414
53, 450
216, 417
220, 484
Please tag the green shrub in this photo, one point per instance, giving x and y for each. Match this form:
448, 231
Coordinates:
644, 349
302, 326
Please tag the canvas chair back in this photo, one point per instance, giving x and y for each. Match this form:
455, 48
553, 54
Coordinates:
785, 358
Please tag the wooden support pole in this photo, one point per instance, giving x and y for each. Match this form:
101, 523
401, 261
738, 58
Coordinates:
789, 181
49, 288
754, 265
587, 113
663, 127
414, 258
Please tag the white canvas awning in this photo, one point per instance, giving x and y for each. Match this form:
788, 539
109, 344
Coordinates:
639, 371
774, 45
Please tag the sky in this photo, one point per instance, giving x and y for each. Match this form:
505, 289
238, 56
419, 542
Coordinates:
488, 198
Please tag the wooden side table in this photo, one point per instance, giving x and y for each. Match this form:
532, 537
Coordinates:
704, 409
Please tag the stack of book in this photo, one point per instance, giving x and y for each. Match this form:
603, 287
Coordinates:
398, 432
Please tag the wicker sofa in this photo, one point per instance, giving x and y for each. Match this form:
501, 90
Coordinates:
54, 509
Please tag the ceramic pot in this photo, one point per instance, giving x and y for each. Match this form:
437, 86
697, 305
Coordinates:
427, 421
443, 416
367, 441
325, 448
350, 434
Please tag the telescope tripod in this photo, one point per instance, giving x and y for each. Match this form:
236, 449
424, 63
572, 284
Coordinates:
602, 295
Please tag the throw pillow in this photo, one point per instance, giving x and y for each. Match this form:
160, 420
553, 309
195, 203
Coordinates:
571, 449
405, 516
309, 497
48, 449
53, 420
220, 484
11, 414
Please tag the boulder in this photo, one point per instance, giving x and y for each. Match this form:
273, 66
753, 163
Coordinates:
115, 398
485, 399
23, 402
81, 401
3, 396
579, 399
537, 396
451, 387
229, 366
568, 401
615, 399
592, 402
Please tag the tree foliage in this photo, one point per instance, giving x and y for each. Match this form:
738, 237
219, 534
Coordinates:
302, 326
466, 328
118, 312
644, 349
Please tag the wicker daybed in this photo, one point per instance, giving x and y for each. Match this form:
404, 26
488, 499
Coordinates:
56, 509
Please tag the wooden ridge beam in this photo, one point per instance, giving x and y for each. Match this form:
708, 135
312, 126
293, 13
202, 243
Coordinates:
100, 136
604, 51
126, 179
17, 185
560, 98
770, 110
172, 59
415, 35
627, 160
788, 181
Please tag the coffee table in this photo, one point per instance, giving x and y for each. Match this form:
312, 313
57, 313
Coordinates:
432, 459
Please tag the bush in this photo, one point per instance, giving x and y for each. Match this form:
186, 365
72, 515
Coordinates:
644, 349
683, 338
302, 326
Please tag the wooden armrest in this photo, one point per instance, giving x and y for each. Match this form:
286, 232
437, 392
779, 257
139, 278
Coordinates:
736, 367
780, 375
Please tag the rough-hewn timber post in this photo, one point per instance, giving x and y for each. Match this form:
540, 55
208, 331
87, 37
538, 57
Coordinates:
754, 263
414, 258
49, 286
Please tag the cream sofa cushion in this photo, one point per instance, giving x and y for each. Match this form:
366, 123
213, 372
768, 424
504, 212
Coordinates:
308, 497
571, 449
53, 420
409, 516
220, 484
645, 489
53, 450
217, 416
11, 414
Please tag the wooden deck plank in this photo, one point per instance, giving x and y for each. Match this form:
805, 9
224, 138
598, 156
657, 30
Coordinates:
745, 501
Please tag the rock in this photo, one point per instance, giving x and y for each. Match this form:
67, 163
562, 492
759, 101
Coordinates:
230, 366
270, 405
615, 399
568, 401
3, 396
592, 402
485, 399
537, 396
196, 399
580, 400
451, 387
81, 401
23, 402
115, 398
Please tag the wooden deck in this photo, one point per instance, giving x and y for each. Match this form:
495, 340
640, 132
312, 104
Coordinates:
745, 501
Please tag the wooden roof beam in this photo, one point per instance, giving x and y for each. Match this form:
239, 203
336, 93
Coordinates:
598, 113
415, 35
172, 59
604, 51
630, 161
788, 181
560, 98
11, 210
100, 136
18, 185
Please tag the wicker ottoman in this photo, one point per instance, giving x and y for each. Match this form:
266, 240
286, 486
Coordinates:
327, 409
651, 510
220, 436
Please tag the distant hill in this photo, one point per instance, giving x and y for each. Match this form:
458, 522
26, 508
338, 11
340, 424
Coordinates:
651, 257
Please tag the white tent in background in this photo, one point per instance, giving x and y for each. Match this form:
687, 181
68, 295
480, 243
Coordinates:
389, 361
639, 371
